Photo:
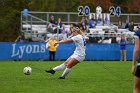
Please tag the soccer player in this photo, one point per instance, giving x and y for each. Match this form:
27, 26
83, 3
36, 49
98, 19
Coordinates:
79, 54
136, 66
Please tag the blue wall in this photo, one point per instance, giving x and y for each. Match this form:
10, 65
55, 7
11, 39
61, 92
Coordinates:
38, 51
106, 52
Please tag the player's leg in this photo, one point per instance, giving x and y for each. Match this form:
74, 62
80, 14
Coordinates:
62, 66
137, 80
57, 68
72, 62
136, 85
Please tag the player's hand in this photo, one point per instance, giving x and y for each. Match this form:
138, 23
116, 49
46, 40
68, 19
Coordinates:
133, 69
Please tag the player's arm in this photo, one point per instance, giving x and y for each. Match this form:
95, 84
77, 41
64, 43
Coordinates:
64, 41
135, 54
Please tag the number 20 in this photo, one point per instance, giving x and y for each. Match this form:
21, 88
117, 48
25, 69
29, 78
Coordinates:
83, 11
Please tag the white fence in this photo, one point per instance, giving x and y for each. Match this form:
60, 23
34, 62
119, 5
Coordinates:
35, 24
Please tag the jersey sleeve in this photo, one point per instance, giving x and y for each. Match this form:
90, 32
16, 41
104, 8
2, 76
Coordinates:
87, 38
75, 38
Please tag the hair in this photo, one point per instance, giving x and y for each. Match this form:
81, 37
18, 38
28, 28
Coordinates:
75, 28
81, 26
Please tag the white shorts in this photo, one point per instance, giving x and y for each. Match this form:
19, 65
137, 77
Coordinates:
77, 57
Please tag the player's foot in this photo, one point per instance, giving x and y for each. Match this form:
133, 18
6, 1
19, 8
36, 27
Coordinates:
61, 78
50, 71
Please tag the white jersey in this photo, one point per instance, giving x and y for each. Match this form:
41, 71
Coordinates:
80, 43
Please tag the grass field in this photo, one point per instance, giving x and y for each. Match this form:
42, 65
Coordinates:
86, 77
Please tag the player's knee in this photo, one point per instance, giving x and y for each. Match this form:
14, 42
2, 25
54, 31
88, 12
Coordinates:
65, 63
69, 66
137, 85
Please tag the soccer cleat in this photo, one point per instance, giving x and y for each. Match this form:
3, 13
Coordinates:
50, 71
61, 78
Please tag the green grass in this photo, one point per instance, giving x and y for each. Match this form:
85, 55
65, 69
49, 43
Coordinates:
86, 77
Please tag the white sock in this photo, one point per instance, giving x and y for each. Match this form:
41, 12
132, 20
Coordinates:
60, 67
66, 71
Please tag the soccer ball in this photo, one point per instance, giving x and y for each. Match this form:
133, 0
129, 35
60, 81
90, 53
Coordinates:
27, 70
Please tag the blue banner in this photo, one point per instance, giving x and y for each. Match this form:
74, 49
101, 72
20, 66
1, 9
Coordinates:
23, 51
38, 51
106, 52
